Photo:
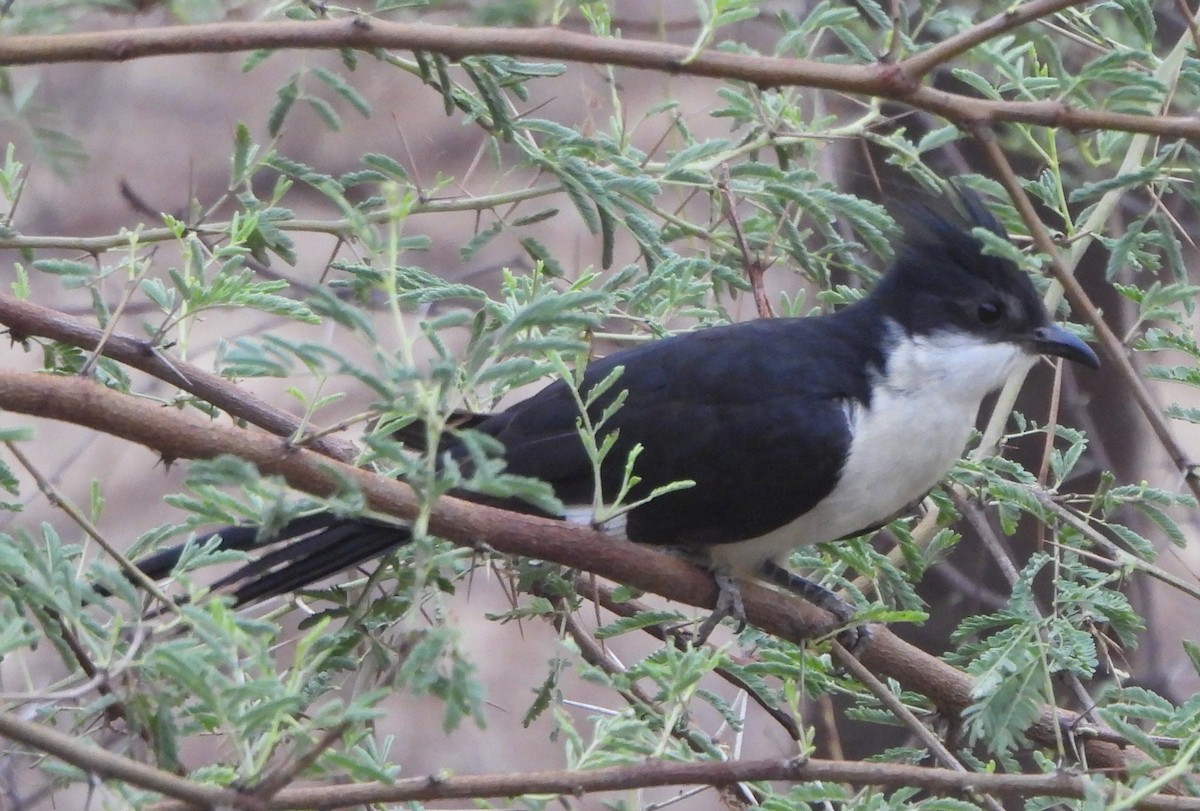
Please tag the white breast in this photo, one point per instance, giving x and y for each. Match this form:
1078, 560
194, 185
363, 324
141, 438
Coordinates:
920, 417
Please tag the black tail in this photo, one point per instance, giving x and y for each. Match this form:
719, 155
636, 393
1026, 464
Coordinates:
326, 545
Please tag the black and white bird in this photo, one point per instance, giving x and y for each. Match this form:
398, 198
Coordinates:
793, 431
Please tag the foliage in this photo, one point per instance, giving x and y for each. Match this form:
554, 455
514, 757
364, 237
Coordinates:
592, 226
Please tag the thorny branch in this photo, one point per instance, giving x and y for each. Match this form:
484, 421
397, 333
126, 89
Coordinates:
177, 435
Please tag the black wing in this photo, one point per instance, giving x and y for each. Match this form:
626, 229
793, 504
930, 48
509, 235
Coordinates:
753, 413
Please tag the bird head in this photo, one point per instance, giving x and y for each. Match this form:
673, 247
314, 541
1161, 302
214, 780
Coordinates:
943, 289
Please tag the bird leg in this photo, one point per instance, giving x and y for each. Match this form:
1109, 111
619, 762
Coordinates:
729, 604
854, 638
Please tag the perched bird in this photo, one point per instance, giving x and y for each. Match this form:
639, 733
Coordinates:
792, 431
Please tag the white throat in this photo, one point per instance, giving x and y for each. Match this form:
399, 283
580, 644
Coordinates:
953, 364
922, 410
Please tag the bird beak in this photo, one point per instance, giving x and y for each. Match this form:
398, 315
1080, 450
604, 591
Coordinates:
1054, 340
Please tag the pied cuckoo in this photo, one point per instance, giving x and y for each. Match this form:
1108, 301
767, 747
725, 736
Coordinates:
793, 430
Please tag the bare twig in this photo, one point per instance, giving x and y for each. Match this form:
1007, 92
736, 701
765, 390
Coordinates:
903, 714
83, 522
1119, 557
341, 228
1016, 15
1000, 554
293, 767
605, 597
752, 264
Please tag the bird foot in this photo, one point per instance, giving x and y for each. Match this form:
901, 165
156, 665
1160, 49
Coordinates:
854, 638
729, 604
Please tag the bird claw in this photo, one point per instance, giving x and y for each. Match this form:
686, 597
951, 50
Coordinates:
854, 638
729, 604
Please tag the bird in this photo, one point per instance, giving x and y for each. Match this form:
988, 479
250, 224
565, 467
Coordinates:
767, 435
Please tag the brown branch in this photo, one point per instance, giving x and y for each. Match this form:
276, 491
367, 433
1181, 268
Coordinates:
899, 82
190, 794
918, 65
180, 436
109, 765
25, 319
707, 773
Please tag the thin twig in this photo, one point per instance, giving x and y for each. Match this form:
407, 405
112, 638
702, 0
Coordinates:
604, 596
293, 767
114, 318
1120, 557
109, 765
66, 505
341, 228
1000, 554
750, 263
904, 715
1016, 15
1110, 345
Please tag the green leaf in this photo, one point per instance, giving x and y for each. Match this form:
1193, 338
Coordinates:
243, 153
1140, 546
481, 238
1164, 522
1139, 177
17, 433
644, 619
693, 154
285, 97
541, 254
325, 112
1185, 413
343, 89
157, 292
1005, 697
387, 165
536, 217
66, 267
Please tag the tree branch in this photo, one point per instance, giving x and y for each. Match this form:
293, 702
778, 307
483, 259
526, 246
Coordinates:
109, 765
180, 436
711, 773
25, 319
339, 227
920, 64
899, 82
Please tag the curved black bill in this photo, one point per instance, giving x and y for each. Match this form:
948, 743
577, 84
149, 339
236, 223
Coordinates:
1054, 340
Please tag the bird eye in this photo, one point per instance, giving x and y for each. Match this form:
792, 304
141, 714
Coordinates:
990, 312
